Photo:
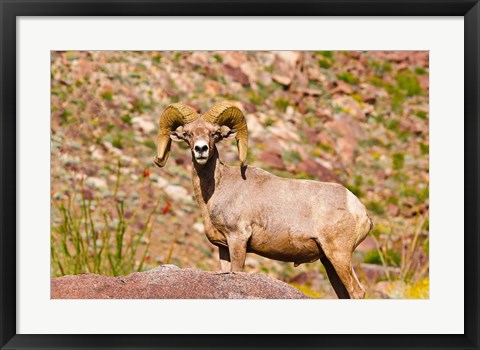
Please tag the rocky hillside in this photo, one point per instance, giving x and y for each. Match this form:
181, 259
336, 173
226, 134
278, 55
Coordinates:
357, 118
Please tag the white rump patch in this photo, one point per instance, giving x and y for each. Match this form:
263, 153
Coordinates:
353, 205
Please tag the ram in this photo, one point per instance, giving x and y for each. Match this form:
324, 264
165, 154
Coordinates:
246, 209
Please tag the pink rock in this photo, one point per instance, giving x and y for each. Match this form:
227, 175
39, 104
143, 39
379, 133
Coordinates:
171, 282
375, 272
236, 74
272, 159
367, 245
311, 167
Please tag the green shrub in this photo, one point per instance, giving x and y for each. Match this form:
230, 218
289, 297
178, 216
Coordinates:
398, 160
390, 257
348, 78
408, 82
93, 236
282, 104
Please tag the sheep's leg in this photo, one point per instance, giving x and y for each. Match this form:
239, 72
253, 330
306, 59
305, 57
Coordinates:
335, 280
225, 264
343, 266
237, 247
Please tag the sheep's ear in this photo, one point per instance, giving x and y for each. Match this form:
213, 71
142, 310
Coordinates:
177, 135
227, 133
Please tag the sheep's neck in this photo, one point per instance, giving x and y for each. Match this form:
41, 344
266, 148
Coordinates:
205, 176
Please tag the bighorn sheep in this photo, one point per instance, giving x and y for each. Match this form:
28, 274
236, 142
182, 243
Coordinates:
247, 209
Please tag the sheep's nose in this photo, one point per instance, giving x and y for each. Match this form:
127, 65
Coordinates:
202, 149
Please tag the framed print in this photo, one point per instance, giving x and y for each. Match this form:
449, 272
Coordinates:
113, 236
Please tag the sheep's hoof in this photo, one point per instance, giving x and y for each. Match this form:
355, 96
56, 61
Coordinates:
225, 273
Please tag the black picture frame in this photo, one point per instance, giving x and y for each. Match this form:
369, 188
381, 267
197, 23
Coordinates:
10, 10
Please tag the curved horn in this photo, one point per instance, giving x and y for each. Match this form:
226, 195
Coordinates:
175, 115
225, 113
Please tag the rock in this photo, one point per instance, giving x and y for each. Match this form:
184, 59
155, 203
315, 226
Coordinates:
250, 70
369, 93
273, 144
289, 57
198, 227
350, 105
118, 153
147, 126
285, 63
255, 127
376, 272
96, 182
308, 91
424, 81
314, 279
265, 78
367, 245
393, 210
212, 87
391, 289
170, 282
272, 160
160, 182
346, 149
350, 132
340, 86
249, 107
198, 58
311, 167
234, 58
251, 262
311, 134
284, 131
97, 154
282, 79
178, 193
168, 266
66, 159
236, 74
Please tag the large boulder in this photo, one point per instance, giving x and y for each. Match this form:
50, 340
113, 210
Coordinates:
171, 282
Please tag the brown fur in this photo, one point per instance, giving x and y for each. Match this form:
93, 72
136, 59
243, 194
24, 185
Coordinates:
250, 210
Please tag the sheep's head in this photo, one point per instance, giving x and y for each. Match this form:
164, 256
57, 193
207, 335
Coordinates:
182, 123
